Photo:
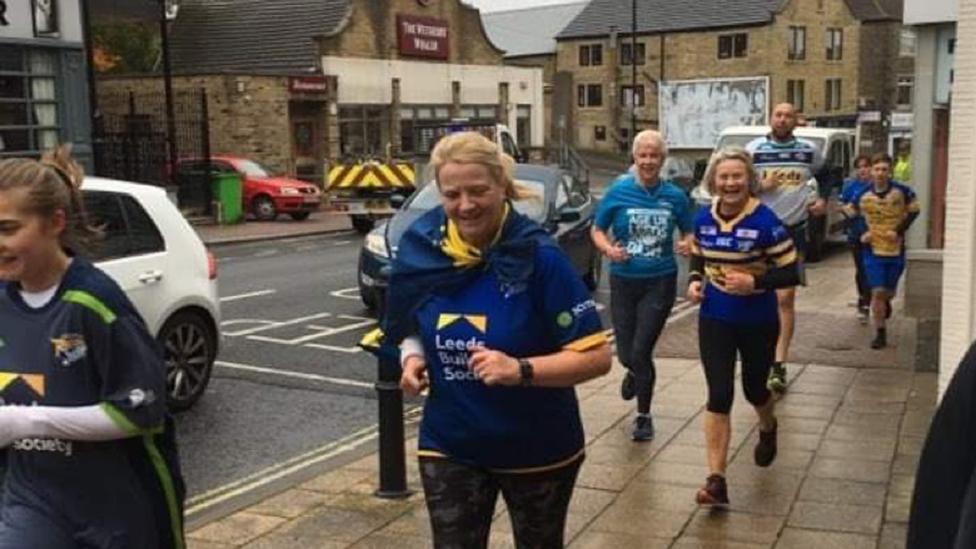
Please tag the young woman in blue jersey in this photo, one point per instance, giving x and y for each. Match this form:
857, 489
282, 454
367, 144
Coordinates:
741, 253
634, 227
855, 228
90, 454
495, 319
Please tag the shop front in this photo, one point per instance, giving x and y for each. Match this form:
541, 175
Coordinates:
43, 80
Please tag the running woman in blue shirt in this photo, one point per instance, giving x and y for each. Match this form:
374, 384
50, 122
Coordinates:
741, 253
494, 318
634, 227
855, 228
91, 457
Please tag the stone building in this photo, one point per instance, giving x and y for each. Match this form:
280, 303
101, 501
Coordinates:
43, 79
820, 55
528, 36
298, 84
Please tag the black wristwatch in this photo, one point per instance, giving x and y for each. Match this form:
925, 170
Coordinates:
526, 372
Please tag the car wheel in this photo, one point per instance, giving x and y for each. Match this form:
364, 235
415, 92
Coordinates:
363, 224
264, 208
592, 278
816, 234
300, 216
189, 350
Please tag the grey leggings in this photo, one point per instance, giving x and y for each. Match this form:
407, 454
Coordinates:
639, 308
461, 501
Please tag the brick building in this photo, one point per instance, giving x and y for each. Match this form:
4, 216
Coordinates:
820, 55
297, 84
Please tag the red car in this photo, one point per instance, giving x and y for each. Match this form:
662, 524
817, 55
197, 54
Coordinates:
265, 194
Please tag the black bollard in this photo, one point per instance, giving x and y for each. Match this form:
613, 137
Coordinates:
393, 461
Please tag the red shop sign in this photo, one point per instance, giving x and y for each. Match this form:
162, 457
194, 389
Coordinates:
422, 36
308, 84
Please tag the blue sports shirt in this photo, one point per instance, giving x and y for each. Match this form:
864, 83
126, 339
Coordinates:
505, 428
88, 346
855, 226
752, 242
643, 220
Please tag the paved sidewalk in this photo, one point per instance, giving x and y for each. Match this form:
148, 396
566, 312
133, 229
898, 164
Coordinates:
284, 227
849, 442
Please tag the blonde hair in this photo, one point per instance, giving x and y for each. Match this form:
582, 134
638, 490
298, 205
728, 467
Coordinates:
653, 137
52, 184
474, 148
731, 153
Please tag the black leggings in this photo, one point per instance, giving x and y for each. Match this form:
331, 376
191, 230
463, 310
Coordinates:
860, 278
719, 342
639, 308
461, 502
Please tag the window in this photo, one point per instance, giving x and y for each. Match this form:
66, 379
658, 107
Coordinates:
797, 45
906, 42
589, 95
508, 147
600, 133
628, 95
795, 92
832, 94
28, 100
835, 44
363, 130
127, 228
626, 56
591, 55
906, 85
733, 45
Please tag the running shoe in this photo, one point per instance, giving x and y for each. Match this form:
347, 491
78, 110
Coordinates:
765, 451
643, 428
715, 492
863, 313
777, 378
880, 340
628, 387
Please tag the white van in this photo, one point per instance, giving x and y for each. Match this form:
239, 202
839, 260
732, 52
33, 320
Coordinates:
837, 147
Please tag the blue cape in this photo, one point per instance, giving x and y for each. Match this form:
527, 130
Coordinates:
421, 269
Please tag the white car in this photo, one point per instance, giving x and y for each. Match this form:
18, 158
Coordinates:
151, 251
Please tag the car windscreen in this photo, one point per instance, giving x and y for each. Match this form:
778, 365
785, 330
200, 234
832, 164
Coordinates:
743, 140
251, 168
532, 206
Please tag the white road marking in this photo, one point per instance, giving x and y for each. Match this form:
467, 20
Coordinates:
346, 293
264, 253
342, 242
292, 374
322, 331
247, 295
267, 324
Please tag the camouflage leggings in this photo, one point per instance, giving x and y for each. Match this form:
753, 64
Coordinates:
461, 502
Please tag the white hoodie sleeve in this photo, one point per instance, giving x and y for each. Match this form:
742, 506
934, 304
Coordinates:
83, 423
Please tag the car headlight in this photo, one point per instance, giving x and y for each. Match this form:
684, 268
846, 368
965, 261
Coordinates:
291, 191
376, 244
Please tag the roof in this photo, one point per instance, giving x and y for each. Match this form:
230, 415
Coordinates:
656, 16
254, 36
876, 10
529, 31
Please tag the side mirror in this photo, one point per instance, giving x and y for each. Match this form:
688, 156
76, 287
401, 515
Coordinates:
570, 216
397, 200
700, 167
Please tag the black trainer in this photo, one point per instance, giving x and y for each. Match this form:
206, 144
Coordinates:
765, 451
643, 428
628, 387
880, 340
715, 492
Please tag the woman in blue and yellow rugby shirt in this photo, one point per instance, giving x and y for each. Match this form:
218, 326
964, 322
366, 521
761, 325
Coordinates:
500, 326
741, 253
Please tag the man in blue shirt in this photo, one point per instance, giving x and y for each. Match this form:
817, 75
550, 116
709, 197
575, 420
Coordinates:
855, 227
634, 228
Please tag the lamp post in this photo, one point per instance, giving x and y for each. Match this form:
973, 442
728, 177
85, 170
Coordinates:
633, 69
168, 88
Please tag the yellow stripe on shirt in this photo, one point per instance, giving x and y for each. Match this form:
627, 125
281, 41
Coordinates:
586, 343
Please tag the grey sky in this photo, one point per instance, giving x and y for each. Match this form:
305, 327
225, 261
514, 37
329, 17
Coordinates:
499, 5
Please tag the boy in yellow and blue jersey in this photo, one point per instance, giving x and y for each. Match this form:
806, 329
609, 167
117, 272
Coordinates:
888, 208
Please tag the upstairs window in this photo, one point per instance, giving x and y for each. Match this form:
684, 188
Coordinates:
733, 45
626, 56
796, 47
834, 41
591, 55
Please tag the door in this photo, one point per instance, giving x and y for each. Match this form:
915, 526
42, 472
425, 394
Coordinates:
132, 252
574, 235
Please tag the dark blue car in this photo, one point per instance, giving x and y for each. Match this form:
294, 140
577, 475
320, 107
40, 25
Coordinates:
562, 205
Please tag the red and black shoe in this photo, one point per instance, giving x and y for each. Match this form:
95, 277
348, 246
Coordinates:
714, 493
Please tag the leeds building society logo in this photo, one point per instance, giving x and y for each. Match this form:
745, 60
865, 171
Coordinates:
565, 319
478, 322
69, 348
34, 381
